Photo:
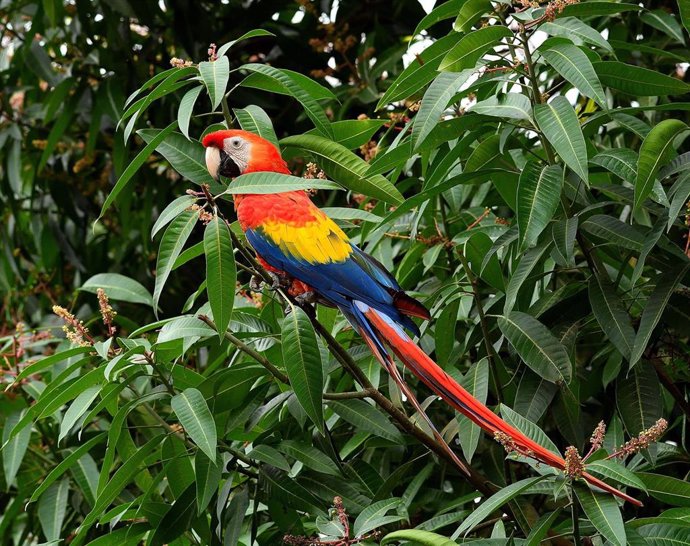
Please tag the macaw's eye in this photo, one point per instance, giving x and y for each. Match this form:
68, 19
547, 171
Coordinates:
236, 143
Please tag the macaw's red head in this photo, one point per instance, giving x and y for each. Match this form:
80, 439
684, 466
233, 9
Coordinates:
234, 152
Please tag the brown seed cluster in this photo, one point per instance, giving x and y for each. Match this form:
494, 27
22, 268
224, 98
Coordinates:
597, 438
369, 150
644, 439
574, 465
108, 314
180, 63
555, 8
314, 172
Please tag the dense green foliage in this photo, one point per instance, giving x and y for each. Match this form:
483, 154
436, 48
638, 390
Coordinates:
523, 170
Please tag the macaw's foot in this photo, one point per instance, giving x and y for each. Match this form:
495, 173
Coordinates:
256, 283
307, 298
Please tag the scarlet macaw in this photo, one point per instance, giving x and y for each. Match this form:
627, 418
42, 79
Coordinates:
293, 238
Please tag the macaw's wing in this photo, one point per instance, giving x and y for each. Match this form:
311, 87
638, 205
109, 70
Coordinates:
319, 254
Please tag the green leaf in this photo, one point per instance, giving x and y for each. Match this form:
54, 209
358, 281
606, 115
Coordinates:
591, 8
665, 534
528, 428
616, 471
447, 10
564, 233
434, 102
638, 397
470, 11
425, 538
476, 382
602, 510
118, 287
528, 262
684, 8
172, 243
184, 327
173, 209
134, 166
655, 307
52, 508
419, 72
541, 529
184, 112
575, 30
666, 488
176, 520
537, 346
495, 501
538, 196
68, 462
638, 81
296, 89
310, 457
257, 32
560, 126
665, 22
77, 408
14, 448
185, 156
302, 359
207, 476
571, 63
221, 272
253, 118
215, 75
269, 455
194, 415
611, 315
654, 152
353, 133
510, 105
374, 516
613, 231
268, 182
366, 417
620, 161
346, 168
466, 53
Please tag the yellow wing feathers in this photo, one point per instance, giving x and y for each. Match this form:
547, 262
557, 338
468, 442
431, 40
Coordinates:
318, 241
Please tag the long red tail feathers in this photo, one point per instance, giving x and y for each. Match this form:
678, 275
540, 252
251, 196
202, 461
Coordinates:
419, 363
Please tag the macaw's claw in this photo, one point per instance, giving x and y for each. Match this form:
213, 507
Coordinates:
256, 283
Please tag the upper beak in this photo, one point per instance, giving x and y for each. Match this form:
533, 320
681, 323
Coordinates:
213, 161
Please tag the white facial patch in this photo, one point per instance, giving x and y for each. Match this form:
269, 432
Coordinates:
239, 151
213, 161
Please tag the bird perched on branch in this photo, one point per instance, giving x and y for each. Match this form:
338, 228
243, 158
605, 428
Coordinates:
302, 247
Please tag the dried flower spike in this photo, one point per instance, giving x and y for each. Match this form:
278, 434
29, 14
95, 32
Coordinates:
574, 466
643, 441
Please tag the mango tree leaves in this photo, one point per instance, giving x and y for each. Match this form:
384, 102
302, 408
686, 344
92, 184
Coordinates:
571, 63
611, 315
194, 415
602, 510
302, 359
638, 81
434, 102
345, 167
471, 47
221, 272
537, 346
215, 75
118, 287
539, 192
655, 151
560, 126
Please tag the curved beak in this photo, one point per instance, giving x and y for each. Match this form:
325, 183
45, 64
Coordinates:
213, 161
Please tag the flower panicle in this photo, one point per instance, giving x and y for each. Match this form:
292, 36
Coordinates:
74, 329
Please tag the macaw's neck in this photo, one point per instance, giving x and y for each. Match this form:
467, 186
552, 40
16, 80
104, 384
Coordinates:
291, 208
